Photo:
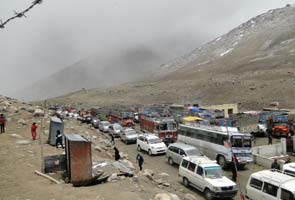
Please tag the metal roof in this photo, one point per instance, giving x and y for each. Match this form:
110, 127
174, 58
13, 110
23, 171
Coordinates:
56, 119
75, 138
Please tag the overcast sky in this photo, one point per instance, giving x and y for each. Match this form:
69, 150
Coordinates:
58, 33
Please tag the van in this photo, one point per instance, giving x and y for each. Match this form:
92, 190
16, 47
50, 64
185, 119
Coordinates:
289, 169
176, 151
270, 185
207, 176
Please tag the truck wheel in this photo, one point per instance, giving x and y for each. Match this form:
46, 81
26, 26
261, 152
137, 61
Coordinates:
208, 194
150, 152
221, 161
185, 182
138, 148
170, 161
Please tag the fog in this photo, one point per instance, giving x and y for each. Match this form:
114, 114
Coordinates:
58, 33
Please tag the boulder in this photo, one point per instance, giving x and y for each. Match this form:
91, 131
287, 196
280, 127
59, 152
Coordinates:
38, 113
166, 196
3, 108
24, 142
163, 174
148, 173
189, 197
98, 148
113, 177
13, 109
15, 135
22, 122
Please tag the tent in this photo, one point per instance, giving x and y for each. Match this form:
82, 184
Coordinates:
191, 119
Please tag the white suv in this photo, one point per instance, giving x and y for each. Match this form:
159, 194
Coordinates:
151, 144
207, 176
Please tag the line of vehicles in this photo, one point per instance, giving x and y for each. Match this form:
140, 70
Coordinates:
202, 151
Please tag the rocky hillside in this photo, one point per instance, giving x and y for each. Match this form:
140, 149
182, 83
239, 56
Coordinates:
103, 69
253, 65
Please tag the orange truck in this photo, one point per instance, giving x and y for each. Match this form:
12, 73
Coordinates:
280, 129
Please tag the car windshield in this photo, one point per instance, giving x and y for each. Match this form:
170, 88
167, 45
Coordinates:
117, 127
213, 172
281, 124
106, 123
193, 152
131, 132
155, 140
241, 142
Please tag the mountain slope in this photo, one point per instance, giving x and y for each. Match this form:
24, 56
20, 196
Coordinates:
104, 69
252, 65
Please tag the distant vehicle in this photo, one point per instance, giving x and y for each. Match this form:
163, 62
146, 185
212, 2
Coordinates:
115, 129
104, 126
163, 127
86, 119
289, 169
280, 129
206, 176
176, 151
95, 121
151, 144
218, 142
270, 185
129, 135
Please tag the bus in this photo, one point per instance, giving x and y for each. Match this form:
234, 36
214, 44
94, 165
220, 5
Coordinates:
218, 142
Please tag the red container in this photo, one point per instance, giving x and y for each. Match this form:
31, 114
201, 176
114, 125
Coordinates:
79, 160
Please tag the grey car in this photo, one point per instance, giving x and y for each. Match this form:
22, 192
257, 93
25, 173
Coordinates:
129, 135
115, 130
176, 151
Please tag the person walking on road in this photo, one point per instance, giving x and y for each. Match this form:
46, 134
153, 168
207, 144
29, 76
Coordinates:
234, 168
2, 123
113, 139
58, 139
34, 131
117, 154
269, 138
139, 160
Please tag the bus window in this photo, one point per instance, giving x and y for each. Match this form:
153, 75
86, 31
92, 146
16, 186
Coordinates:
247, 142
236, 142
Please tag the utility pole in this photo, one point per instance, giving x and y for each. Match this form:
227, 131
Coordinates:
41, 139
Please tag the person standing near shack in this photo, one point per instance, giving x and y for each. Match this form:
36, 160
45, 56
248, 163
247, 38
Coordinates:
58, 139
34, 131
2, 123
117, 154
269, 138
234, 168
275, 165
139, 160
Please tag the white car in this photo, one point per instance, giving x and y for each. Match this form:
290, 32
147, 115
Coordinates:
129, 135
151, 144
115, 129
104, 126
289, 169
270, 185
207, 176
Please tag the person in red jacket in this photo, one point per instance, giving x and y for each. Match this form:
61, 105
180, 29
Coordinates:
2, 123
34, 131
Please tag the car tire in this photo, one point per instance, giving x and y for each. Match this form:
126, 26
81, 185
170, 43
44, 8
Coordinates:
150, 152
126, 142
170, 161
221, 161
208, 194
138, 148
185, 182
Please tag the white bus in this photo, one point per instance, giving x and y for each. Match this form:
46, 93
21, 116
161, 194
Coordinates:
218, 142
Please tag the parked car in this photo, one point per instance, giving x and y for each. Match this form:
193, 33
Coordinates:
104, 126
207, 176
95, 121
270, 185
129, 135
115, 129
86, 119
151, 144
289, 169
176, 151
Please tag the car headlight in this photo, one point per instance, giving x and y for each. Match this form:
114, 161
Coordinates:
216, 188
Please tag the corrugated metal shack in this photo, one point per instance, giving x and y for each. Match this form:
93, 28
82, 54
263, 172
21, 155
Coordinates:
79, 160
55, 124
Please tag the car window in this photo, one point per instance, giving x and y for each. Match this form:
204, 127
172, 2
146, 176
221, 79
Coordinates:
270, 189
181, 152
287, 195
184, 163
192, 166
200, 171
173, 149
255, 183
